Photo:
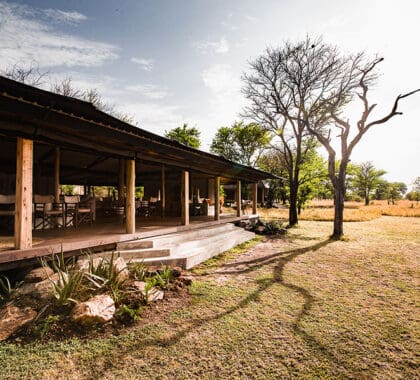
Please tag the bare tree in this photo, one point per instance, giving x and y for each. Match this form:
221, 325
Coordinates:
66, 88
287, 89
30, 75
366, 76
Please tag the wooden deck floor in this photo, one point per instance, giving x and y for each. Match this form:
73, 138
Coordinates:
103, 233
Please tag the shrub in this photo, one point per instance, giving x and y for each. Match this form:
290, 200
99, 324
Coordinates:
6, 288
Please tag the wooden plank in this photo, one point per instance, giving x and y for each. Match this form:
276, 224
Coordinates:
163, 194
130, 205
217, 198
57, 175
254, 197
23, 203
185, 198
238, 198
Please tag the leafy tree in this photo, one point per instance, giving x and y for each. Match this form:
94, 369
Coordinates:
189, 136
366, 180
312, 174
288, 89
243, 143
363, 74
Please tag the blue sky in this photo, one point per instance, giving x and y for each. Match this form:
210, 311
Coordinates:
170, 62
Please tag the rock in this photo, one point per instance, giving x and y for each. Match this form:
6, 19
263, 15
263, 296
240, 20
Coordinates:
42, 290
12, 318
120, 267
38, 274
99, 309
83, 264
260, 229
155, 294
139, 285
176, 272
187, 280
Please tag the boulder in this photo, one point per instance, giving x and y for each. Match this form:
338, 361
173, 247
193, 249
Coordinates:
120, 266
176, 272
12, 318
139, 286
187, 280
38, 274
42, 290
99, 309
155, 294
260, 229
83, 264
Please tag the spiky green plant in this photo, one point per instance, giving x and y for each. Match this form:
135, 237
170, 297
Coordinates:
163, 277
139, 270
6, 288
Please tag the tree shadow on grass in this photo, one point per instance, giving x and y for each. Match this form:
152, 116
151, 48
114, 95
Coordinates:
280, 259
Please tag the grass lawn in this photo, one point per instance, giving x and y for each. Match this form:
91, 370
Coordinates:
296, 307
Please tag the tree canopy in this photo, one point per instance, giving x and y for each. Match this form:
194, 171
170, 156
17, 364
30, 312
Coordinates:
186, 135
243, 143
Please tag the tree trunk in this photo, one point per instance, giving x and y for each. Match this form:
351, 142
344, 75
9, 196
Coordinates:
339, 194
293, 215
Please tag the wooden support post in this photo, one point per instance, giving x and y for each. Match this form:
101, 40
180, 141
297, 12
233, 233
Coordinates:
217, 198
163, 193
262, 195
130, 204
185, 198
57, 175
23, 203
254, 197
121, 182
238, 198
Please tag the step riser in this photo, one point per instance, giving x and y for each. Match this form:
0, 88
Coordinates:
191, 235
134, 244
204, 253
129, 255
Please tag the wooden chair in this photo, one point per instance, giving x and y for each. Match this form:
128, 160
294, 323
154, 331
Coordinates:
7, 212
143, 209
47, 213
78, 212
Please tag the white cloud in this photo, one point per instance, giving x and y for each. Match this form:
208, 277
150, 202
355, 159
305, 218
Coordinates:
219, 47
25, 39
220, 79
150, 91
63, 16
145, 64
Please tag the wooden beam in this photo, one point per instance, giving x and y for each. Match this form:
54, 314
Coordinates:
254, 197
23, 203
185, 198
121, 181
57, 175
238, 198
163, 194
262, 194
130, 205
217, 198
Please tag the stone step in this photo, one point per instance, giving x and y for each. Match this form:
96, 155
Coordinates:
134, 244
207, 248
139, 254
187, 236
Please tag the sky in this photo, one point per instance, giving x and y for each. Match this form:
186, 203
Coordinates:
169, 62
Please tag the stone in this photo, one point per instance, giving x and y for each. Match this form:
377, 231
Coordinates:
260, 229
187, 280
139, 285
83, 264
176, 272
98, 309
38, 274
12, 318
155, 294
120, 267
42, 290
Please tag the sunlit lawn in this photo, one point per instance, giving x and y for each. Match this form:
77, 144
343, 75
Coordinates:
310, 308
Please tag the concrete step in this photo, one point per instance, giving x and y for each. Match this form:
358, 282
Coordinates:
138, 254
134, 244
187, 236
192, 253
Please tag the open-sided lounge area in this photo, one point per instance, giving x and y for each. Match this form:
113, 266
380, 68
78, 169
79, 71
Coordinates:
129, 182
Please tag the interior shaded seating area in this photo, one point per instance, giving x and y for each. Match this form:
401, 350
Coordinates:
78, 212
47, 213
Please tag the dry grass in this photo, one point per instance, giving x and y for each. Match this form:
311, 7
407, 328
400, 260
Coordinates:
353, 211
302, 307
